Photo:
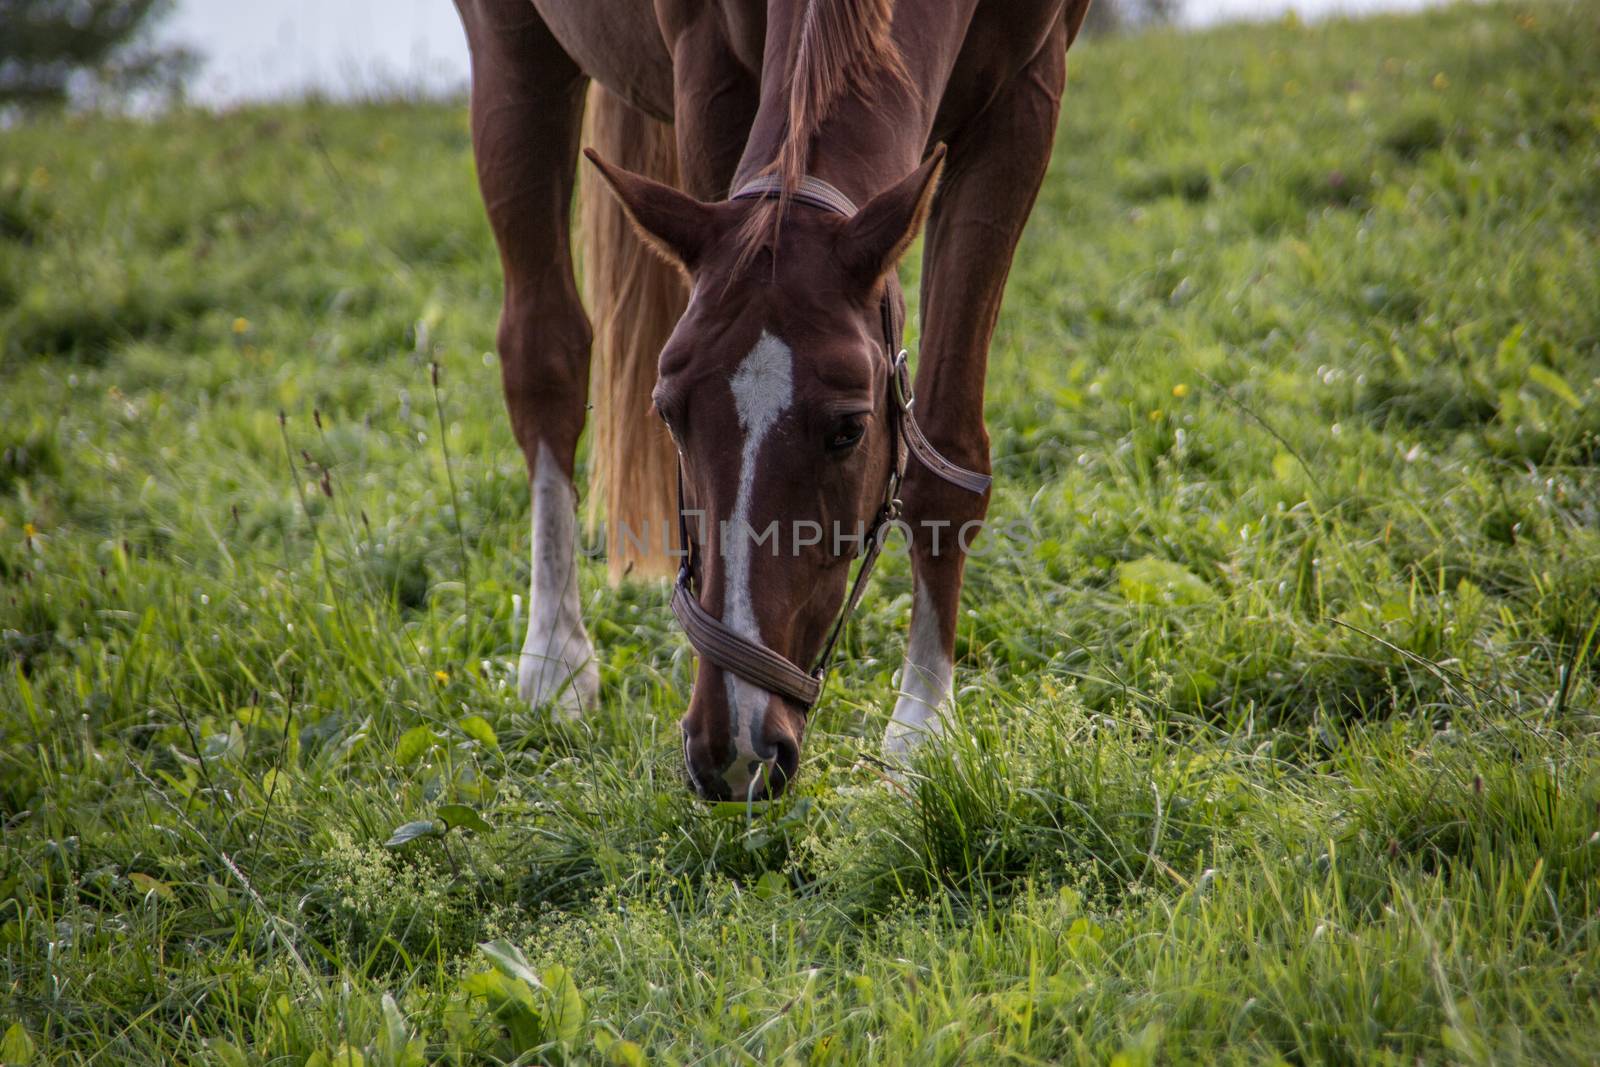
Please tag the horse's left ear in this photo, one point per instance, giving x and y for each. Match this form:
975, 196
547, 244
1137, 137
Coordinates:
673, 223
875, 238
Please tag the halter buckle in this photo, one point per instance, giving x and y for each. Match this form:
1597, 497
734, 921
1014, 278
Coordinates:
901, 377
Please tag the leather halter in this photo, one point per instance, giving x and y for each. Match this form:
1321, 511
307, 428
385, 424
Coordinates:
752, 660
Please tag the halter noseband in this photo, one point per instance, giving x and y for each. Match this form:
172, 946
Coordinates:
751, 660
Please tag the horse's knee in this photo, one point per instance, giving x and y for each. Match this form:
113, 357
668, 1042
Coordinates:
544, 371
547, 339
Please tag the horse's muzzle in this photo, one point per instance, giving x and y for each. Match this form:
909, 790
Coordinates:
720, 769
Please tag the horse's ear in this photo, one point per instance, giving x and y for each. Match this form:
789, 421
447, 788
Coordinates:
673, 223
873, 241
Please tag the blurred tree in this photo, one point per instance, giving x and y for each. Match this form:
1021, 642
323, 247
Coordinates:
1111, 16
47, 46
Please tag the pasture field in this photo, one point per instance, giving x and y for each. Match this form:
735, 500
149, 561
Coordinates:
1280, 737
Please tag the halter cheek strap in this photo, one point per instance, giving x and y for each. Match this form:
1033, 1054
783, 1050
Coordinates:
751, 660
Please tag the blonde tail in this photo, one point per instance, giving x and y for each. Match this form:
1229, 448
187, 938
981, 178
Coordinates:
634, 300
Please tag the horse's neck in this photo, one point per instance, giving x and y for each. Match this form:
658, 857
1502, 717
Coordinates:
867, 142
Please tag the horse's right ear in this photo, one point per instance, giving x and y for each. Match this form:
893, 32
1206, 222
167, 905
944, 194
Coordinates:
874, 239
673, 223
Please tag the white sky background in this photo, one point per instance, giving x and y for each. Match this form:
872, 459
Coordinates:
260, 49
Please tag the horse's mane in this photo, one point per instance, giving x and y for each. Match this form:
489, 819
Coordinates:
841, 45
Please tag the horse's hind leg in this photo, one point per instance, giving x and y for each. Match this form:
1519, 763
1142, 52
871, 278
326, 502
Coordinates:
527, 106
992, 175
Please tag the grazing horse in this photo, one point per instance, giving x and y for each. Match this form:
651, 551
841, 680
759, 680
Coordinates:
777, 158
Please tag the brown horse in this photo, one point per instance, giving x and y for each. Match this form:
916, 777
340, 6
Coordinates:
738, 138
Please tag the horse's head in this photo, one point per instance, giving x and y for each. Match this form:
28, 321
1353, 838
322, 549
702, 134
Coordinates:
776, 388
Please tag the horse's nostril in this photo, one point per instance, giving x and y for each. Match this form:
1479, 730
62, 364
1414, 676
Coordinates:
785, 762
707, 786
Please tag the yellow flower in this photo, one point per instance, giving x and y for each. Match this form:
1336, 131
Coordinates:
442, 677
1441, 81
29, 531
241, 324
1155, 416
1180, 390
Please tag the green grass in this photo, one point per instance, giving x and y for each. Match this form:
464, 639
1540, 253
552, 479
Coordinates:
1281, 739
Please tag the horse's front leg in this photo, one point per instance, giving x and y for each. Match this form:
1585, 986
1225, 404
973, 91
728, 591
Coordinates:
527, 106
993, 173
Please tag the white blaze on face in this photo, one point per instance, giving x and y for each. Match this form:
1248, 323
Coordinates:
557, 658
763, 389
925, 683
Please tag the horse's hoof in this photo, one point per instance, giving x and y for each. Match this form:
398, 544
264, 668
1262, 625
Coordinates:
570, 685
902, 739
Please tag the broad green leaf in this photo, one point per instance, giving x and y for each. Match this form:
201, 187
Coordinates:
566, 1014
478, 728
395, 1046
1395, 610
772, 885
1556, 384
394, 1024
459, 815
625, 1054
346, 749
509, 960
1506, 352
1286, 468
251, 715
1083, 928
1159, 581
413, 745
511, 998
229, 743
410, 831
147, 885
17, 1047
226, 1053
347, 1056
497, 989
184, 786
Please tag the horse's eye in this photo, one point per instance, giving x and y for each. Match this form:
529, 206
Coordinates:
846, 435
666, 420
